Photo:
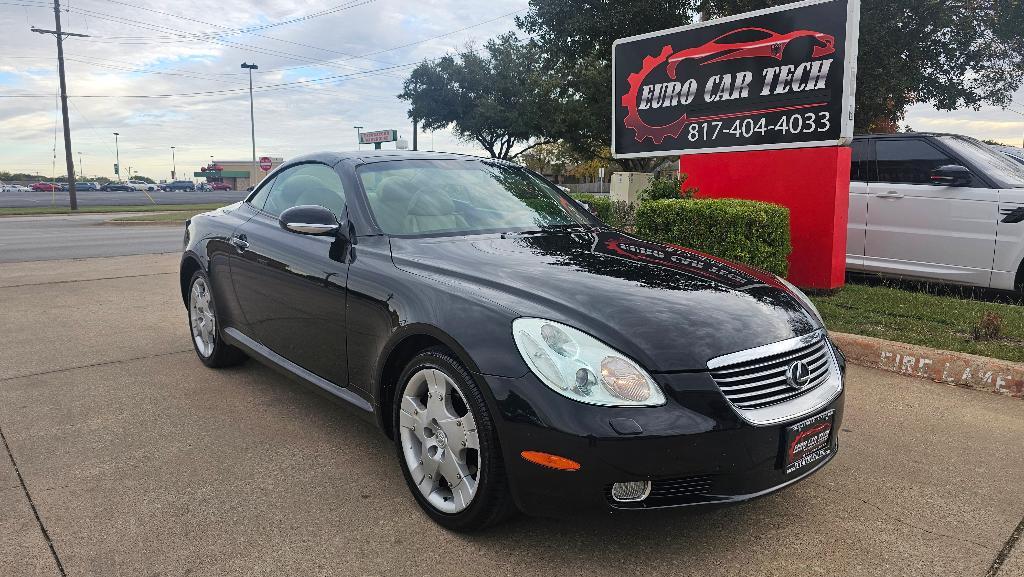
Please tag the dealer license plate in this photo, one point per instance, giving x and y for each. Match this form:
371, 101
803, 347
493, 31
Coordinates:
808, 442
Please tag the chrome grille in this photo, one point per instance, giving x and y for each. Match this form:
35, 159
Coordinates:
761, 381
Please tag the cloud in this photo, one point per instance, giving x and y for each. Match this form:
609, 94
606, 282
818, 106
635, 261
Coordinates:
156, 54
992, 123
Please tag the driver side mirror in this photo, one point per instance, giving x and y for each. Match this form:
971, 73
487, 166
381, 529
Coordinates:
311, 220
951, 175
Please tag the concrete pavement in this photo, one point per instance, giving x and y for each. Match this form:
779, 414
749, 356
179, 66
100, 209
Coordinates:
66, 236
139, 460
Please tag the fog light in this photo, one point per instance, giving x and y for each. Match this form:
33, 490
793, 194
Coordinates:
631, 491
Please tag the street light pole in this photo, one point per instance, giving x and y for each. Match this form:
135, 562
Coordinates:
174, 166
359, 144
117, 157
81, 167
252, 121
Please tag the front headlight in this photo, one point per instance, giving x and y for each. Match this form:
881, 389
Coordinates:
578, 366
799, 294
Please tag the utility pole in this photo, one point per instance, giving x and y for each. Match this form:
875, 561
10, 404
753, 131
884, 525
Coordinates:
60, 35
414, 132
117, 158
81, 166
174, 166
252, 121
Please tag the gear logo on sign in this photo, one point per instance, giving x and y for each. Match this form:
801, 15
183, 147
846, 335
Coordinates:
643, 130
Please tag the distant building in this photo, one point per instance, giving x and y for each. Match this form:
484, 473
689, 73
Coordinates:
236, 173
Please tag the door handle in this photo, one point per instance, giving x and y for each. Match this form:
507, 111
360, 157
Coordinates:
890, 194
239, 242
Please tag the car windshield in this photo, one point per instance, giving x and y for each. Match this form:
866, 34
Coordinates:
1004, 171
417, 197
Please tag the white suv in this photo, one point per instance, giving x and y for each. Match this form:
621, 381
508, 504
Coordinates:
936, 207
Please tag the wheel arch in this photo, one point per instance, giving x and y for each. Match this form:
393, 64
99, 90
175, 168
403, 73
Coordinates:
1018, 281
189, 265
404, 345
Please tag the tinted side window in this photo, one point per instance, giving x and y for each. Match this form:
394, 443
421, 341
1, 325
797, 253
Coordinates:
908, 161
260, 197
306, 184
859, 161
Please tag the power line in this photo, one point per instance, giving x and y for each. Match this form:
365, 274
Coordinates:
311, 62
232, 31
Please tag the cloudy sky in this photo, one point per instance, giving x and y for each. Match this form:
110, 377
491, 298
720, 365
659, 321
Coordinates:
325, 67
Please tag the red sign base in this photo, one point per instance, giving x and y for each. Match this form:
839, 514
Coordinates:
814, 183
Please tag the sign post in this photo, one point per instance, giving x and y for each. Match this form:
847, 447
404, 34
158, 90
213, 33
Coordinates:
758, 106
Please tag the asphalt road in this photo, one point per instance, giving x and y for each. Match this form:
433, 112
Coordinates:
140, 461
100, 198
29, 238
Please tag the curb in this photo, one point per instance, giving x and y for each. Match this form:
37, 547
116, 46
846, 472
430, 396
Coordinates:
961, 369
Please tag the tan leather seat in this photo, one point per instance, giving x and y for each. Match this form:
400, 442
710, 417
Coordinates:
432, 211
391, 203
312, 190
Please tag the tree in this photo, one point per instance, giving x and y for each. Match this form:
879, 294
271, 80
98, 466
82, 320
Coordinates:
497, 99
574, 38
949, 54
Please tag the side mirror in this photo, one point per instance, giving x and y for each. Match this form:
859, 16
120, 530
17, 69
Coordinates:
951, 175
310, 219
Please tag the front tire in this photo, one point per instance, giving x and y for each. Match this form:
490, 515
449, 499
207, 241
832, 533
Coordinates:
447, 445
204, 325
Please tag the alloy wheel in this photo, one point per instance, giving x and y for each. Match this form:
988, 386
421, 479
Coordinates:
439, 441
202, 318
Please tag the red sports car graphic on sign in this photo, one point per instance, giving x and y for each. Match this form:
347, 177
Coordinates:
750, 43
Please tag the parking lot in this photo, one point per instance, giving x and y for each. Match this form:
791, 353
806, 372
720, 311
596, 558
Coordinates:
140, 461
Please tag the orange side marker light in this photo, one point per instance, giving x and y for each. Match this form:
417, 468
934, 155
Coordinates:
550, 461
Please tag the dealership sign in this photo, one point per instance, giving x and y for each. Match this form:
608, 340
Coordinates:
376, 136
777, 78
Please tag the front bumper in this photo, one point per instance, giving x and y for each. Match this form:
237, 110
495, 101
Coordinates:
695, 449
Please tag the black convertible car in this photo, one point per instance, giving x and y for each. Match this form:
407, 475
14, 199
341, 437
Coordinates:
520, 353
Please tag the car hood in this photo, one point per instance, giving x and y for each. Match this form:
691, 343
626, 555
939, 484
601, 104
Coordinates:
669, 308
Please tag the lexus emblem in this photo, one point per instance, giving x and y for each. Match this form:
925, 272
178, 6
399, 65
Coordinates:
798, 375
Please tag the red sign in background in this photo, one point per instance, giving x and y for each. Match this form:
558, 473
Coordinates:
265, 163
814, 183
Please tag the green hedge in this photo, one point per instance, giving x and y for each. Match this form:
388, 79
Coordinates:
746, 231
600, 205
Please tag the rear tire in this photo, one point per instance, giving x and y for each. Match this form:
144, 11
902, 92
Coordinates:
442, 429
205, 327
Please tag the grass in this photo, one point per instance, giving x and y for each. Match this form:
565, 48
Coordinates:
942, 321
175, 216
43, 210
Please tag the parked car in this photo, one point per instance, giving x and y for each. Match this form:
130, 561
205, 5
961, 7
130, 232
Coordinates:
117, 186
186, 185
1016, 154
936, 207
8, 187
220, 186
204, 187
87, 186
46, 187
141, 185
518, 352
